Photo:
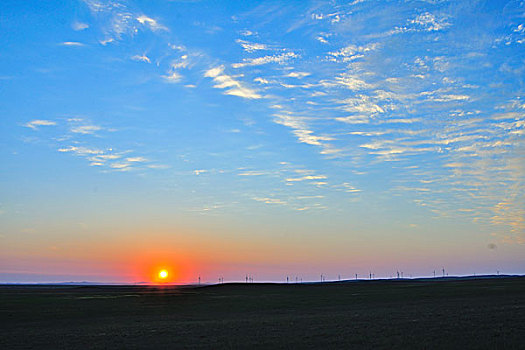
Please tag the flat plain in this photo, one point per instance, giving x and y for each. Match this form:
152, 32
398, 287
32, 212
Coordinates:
460, 313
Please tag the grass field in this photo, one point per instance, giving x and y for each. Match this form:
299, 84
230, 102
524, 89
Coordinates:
456, 313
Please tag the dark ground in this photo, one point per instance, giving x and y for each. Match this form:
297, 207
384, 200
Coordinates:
458, 313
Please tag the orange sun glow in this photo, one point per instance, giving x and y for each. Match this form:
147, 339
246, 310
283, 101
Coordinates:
163, 274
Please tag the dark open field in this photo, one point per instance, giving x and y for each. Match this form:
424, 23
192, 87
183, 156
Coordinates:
456, 313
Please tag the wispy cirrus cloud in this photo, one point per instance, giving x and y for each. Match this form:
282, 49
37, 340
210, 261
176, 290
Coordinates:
78, 26
252, 173
279, 58
298, 75
81, 150
269, 200
72, 43
303, 133
429, 22
230, 85
141, 58
34, 124
251, 46
352, 52
81, 126
363, 94
136, 159
151, 23
119, 19
105, 158
424, 22
85, 129
306, 178
70, 138
174, 72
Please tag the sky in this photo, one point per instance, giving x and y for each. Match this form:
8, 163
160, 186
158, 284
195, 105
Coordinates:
271, 139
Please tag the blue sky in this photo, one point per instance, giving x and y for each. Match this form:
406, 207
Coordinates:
294, 137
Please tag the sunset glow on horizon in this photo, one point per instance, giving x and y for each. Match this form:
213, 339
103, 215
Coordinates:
167, 142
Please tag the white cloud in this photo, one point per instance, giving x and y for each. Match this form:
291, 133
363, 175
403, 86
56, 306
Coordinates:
81, 150
401, 120
347, 187
305, 178
34, 124
443, 95
520, 29
352, 82
307, 136
367, 133
303, 134
151, 23
362, 105
121, 166
173, 77
322, 39
79, 26
247, 32
176, 65
429, 22
374, 145
281, 58
136, 159
231, 86
106, 41
510, 213
118, 19
252, 47
333, 17
425, 22
252, 173
290, 121
85, 129
142, 58
448, 98
158, 166
269, 200
298, 75
71, 43
104, 157
353, 52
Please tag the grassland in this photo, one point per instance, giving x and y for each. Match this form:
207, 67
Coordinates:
426, 314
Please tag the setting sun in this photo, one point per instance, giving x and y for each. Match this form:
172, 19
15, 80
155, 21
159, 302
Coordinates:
154, 268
